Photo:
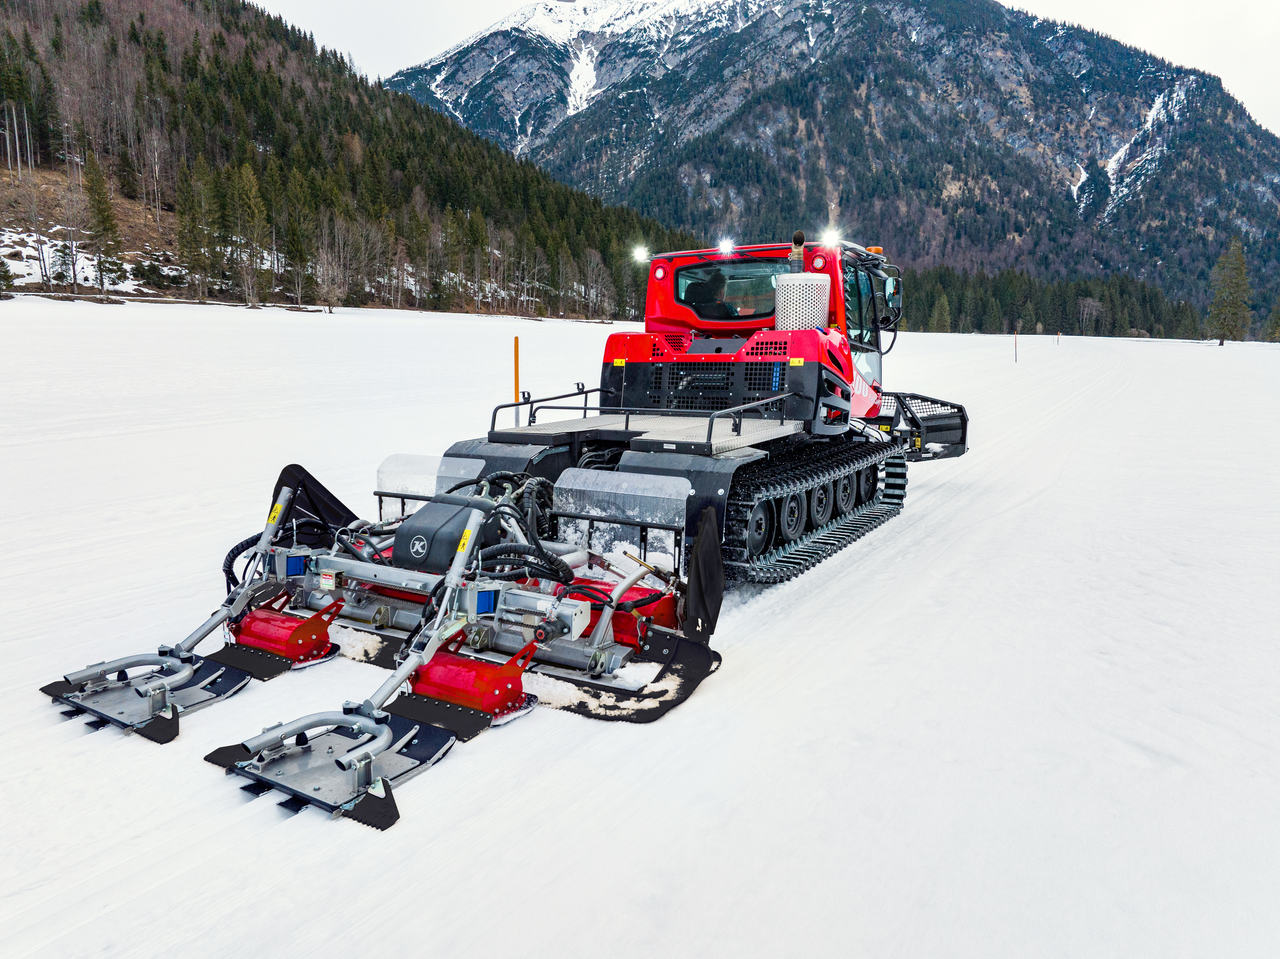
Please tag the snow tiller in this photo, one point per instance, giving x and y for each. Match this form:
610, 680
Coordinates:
576, 560
147, 693
463, 599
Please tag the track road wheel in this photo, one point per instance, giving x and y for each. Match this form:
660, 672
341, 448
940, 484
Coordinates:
792, 514
868, 484
845, 495
760, 527
821, 503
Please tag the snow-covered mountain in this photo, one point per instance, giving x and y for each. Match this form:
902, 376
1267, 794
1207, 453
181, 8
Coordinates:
953, 130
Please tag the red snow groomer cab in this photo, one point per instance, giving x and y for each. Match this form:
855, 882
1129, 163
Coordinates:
736, 326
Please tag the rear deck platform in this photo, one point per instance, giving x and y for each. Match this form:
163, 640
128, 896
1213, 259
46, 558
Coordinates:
705, 434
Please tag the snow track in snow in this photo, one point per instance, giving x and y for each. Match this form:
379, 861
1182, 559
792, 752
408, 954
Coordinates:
1034, 715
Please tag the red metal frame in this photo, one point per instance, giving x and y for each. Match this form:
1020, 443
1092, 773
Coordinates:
272, 630
628, 629
494, 688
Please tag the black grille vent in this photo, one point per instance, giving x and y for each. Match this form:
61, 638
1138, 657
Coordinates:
699, 376
771, 347
763, 377
713, 385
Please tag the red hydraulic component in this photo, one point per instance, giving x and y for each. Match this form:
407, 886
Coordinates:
274, 631
494, 688
627, 629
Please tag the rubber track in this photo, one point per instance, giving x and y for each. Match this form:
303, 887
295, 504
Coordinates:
801, 470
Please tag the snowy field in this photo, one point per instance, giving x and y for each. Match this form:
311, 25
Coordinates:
1036, 715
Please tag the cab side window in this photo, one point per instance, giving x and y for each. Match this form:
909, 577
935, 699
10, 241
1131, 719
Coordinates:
859, 310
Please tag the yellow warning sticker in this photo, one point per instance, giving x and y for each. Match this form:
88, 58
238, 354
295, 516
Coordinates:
466, 538
619, 362
797, 361
885, 428
275, 514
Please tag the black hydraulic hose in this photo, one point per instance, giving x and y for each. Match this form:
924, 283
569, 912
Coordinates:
228, 564
533, 493
529, 526
469, 502
643, 601
288, 533
501, 476
591, 592
530, 569
463, 485
560, 571
367, 555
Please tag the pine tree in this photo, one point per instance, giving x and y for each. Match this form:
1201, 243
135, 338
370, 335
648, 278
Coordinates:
104, 232
1272, 331
6, 277
940, 318
249, 228
299, 234
1229, 315
196, 216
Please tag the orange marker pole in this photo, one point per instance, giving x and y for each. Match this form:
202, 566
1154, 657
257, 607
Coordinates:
515, 389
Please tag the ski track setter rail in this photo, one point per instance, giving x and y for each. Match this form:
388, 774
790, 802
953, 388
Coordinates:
578, 560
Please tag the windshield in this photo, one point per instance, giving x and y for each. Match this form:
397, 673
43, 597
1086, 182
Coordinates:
730, 289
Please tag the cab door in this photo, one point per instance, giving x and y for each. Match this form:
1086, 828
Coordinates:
862, 322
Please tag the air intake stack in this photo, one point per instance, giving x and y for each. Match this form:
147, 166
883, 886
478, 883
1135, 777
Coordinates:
802, 301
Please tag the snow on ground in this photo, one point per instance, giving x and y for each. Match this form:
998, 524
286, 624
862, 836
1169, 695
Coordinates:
19, 248
1034, 716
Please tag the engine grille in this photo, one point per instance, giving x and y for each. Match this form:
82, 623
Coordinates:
763, 378
712, 386
776, 346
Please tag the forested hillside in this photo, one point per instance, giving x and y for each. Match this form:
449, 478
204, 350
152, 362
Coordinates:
951, 132
290, 174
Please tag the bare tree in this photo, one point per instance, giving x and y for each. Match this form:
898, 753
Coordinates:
333, 261
1090, 308
75, 213
566, 280
29, 200
597, 287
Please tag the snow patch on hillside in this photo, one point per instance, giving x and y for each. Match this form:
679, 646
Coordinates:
21, 250
1084, 178
582, 79
1136, 160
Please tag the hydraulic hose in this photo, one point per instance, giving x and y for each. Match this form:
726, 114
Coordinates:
643, 601
560, 571
228, 564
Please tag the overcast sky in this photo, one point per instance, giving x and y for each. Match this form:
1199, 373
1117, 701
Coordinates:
1239, 40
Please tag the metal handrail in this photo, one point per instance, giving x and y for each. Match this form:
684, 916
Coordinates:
626, 411
527, 400
736, 413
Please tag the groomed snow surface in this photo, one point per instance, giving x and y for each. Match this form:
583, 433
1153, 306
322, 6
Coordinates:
1036, 715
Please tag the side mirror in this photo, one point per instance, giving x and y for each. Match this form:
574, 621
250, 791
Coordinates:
893, 293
